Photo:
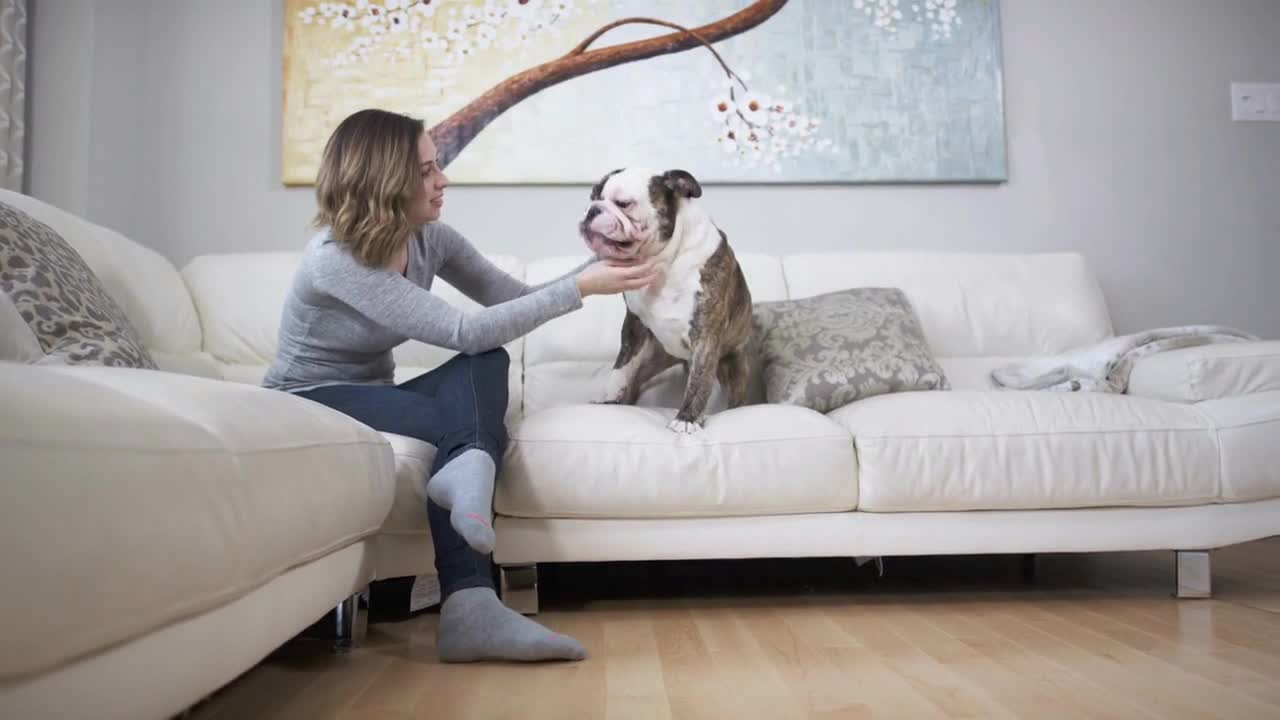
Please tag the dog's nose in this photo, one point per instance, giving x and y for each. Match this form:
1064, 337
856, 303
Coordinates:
593, 211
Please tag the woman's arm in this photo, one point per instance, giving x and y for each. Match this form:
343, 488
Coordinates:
569, 273
466, 269
398, 304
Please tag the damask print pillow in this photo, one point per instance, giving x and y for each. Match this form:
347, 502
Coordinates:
71, 315
829, 350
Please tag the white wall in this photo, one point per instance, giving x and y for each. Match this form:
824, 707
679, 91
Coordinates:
1120, 144
57, 128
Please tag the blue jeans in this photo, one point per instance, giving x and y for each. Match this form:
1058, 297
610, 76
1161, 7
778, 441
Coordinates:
455, 407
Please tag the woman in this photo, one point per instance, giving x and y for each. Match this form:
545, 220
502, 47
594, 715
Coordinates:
362, 288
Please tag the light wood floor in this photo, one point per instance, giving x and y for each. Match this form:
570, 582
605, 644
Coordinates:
1091, 636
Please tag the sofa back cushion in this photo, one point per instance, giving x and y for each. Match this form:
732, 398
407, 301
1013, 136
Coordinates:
970, 305
973, 304
240, 297
976, 310
141, 281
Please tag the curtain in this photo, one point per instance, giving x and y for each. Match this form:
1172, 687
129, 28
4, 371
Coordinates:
13, 91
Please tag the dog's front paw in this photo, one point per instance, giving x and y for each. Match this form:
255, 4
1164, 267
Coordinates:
684, 427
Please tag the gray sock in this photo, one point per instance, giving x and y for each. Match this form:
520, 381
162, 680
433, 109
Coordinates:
464, 487
475, 625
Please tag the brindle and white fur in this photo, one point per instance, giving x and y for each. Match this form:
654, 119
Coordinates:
698, 312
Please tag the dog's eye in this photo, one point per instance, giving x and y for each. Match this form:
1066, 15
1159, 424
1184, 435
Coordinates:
624, 204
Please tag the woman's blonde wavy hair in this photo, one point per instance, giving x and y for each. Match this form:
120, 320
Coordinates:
368, 176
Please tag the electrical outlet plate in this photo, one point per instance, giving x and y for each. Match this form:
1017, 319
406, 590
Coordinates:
1255, 102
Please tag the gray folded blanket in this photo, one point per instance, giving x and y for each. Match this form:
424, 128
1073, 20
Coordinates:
1105, 366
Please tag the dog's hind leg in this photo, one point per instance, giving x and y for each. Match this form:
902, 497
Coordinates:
639, 359
655, 362
734, 373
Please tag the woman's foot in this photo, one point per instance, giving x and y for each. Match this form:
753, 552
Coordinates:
475, 625
464, 487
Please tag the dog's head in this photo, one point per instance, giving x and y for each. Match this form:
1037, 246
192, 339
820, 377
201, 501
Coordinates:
633, 211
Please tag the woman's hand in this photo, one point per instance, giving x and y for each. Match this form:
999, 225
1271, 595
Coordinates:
608, 277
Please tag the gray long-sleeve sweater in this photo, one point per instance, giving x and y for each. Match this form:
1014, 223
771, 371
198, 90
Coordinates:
341, 318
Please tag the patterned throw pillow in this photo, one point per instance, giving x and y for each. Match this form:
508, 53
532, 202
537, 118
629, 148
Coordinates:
74, 319
826, 351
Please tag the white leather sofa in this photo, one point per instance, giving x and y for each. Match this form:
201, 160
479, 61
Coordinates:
160, 532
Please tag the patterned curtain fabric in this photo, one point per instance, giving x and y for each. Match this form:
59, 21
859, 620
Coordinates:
13, 91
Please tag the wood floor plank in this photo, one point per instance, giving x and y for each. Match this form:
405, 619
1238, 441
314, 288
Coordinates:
1102, 669
1039, 662
810, 672
333, 688
886, 691
742, 667
1239, 676
1110, 662
1198, 637
692, 670
937, 682
1243, 626
1013, 693
635, 688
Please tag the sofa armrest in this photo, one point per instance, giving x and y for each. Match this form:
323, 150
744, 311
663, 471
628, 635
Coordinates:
1208, 372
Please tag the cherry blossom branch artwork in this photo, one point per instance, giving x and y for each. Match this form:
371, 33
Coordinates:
551, 91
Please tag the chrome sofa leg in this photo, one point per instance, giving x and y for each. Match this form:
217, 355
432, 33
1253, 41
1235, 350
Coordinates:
1195, 576
520, 588
349, 625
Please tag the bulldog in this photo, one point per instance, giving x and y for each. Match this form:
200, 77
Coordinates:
698, 311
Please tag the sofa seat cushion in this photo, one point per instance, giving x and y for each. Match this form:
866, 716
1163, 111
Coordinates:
1248, 427
1004, 450
161, 496
621, 461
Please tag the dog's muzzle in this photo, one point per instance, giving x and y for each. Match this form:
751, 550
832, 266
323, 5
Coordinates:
605, 230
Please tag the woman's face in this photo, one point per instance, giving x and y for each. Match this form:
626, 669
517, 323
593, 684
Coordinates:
429, 198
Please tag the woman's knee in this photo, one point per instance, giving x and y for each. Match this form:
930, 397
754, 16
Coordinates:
490, 378
497, 356
494, 364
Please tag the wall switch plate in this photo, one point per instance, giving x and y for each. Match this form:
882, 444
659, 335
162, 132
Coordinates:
1258, 102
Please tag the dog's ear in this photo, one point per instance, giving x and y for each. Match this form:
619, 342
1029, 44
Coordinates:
682, 183
597, 190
